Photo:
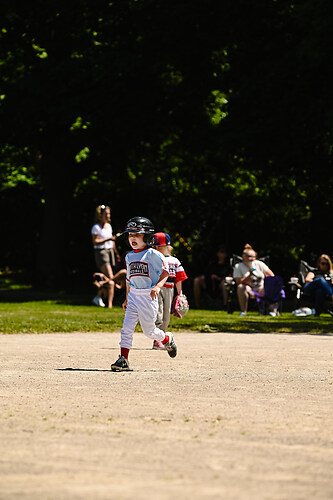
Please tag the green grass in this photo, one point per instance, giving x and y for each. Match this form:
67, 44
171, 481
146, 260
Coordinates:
47, 316
51, 316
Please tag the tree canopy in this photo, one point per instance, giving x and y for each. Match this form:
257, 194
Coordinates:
214, 119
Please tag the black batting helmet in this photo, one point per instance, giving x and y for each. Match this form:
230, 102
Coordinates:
141, 225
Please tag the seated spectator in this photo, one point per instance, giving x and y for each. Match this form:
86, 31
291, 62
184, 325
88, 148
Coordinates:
249, 276
102, 283
318, 283
212, 280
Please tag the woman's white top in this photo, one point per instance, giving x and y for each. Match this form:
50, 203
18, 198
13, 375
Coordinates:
257, 278
103, 232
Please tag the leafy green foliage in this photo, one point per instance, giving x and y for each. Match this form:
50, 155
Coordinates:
211, 118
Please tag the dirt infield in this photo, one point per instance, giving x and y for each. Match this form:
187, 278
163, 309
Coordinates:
234, 416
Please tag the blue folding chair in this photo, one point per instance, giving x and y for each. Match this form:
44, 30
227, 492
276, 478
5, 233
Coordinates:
273, 294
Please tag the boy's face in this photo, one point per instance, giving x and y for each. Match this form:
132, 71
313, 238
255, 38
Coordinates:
136, 240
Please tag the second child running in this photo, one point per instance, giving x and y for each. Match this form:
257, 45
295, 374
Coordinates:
162, 243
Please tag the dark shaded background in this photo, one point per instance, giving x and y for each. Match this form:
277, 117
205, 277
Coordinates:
213, 119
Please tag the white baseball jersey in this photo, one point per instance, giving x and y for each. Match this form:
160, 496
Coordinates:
144, 267
176, 271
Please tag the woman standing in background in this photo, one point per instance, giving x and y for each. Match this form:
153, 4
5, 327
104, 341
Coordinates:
105, 250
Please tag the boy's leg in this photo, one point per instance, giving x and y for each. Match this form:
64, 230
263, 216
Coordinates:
130, 321
126, 340
147, 310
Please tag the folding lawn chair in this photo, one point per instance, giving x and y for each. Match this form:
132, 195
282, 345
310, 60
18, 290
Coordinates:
273, 294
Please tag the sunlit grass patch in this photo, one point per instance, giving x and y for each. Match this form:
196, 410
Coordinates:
51, 316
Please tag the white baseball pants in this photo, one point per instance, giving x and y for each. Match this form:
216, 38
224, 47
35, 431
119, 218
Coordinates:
140, 307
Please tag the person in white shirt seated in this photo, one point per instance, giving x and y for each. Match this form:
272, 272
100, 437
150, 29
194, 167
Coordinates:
249, 276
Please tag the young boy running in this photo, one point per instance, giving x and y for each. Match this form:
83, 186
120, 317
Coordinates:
162, 243
147, 272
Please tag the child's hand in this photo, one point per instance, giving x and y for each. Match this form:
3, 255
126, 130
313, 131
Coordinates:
154, 292
124, 304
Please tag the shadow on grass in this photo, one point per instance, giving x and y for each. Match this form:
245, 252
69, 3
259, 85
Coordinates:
32, 295
291, 325
60, 297
259, 327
